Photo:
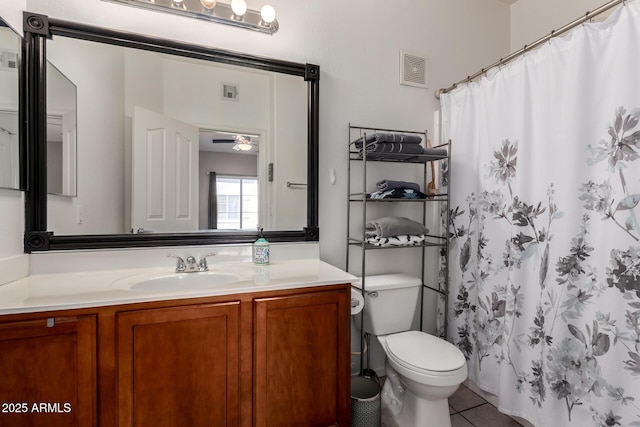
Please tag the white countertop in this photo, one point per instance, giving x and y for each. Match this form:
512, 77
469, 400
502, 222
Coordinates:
68, 290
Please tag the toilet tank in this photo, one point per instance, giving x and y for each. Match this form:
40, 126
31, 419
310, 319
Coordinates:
390, 302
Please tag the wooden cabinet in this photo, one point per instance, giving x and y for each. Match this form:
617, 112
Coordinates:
276, 358
302, 360
179, 366
48, 372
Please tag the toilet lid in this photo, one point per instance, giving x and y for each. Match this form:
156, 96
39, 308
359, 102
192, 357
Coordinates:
425, 352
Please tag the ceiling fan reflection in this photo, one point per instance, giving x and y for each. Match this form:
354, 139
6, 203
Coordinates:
242, 143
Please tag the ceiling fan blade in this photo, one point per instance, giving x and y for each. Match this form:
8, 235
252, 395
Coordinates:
223, 141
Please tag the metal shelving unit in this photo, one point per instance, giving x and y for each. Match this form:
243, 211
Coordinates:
432, 242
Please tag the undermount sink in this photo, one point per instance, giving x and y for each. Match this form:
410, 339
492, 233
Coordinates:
177, 281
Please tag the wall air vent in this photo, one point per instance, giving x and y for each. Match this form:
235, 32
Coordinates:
414, 70
230, 92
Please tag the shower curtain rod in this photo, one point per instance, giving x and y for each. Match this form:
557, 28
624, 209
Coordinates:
526, 48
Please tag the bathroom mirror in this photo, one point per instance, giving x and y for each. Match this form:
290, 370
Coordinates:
61, 133
10, 50
176, 144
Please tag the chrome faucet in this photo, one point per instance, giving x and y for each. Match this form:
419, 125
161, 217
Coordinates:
191, 265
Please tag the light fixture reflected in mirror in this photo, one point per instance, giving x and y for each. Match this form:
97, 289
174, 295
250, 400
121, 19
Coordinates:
208, 4
242, 143
235, 13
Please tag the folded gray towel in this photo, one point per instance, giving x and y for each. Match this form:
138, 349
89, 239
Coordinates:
392, 148
393, 226
389, 184
380, 137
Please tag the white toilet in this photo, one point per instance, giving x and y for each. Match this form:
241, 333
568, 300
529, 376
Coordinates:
422, 370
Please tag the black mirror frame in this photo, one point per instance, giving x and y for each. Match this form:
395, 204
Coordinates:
37, 29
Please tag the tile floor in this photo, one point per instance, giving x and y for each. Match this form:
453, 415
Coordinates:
468, 409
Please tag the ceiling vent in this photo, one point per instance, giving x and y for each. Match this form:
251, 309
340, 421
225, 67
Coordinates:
414, 70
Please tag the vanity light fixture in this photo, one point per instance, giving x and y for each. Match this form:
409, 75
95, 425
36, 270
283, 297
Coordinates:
268, 14
235, 14
239, 8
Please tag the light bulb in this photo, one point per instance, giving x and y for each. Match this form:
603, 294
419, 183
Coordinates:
208, 4
268, 13
239, 7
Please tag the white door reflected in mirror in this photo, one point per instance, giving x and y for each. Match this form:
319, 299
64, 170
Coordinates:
164, 195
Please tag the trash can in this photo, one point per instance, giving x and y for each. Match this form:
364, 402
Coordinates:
365, 402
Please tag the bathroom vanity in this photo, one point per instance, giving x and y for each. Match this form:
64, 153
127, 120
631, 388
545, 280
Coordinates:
257, 352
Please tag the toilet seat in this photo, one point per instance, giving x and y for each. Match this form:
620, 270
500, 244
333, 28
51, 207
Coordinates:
425, 358
424, 352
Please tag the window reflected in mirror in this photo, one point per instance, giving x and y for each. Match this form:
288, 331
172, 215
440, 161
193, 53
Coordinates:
236, 203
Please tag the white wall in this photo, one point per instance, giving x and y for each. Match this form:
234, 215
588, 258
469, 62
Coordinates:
288, 208
11, 222
101, 171
533, 19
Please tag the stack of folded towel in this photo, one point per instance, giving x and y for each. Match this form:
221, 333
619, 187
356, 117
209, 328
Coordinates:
389, 189
381, 143
394, 231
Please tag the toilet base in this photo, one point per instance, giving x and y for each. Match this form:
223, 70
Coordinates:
402, 408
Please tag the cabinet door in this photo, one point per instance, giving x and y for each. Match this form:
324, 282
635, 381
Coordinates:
302, 360
178, 366
48, 372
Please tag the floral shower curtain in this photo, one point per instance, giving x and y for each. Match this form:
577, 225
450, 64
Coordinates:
544, 267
